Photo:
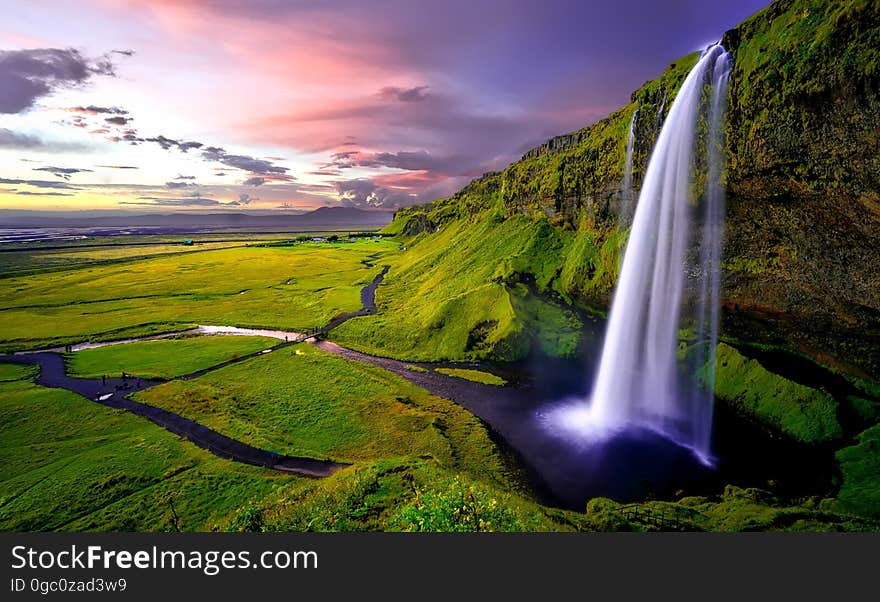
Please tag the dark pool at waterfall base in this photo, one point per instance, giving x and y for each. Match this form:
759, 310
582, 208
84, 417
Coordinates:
567, 469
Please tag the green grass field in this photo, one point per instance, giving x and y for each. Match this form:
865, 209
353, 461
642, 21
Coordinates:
67, 463
420, 463
305, 401
164, 358
70, 464
27, 261
477, 376
286, 287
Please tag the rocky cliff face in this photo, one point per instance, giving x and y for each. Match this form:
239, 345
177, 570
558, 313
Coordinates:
802, 246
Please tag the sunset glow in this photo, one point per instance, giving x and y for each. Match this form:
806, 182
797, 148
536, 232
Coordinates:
197, 105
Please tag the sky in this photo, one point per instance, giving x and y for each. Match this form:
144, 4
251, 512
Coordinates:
271, 105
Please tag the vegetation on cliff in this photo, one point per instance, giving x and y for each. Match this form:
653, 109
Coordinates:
803, 413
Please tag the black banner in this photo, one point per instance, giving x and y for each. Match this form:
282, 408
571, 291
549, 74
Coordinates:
407, 566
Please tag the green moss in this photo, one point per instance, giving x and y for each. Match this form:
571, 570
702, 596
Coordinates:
860, 467
865, 409
736, 509
477, 376
805, 414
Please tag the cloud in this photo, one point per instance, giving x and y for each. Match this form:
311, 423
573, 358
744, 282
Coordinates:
175, 184
243, 199
26, 193
118, 120
118, 166
362, 192
10, 139
185, 146
254, 181
414, 94
18, 140
28, 75
62, 172
243, 162
181, 177
196, 201
123, 52
165, 143
39, 183
405, 160
96, 110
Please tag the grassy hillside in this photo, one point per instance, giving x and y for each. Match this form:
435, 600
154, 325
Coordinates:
468, 292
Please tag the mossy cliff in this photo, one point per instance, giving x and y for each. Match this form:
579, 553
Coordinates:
802, 245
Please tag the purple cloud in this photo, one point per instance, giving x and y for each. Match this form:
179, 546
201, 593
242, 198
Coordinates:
62, 172
117, 120
28, 75
414, 94
39, 183
96, 110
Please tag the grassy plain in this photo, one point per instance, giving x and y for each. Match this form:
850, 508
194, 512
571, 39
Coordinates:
291, 287
164, 358
420, 462
67, 463
37, 260
305, 401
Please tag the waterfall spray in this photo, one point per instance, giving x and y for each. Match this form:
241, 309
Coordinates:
639, 383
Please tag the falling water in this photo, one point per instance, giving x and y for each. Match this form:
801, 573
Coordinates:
638, 383
659, 119
702, 360
627, 200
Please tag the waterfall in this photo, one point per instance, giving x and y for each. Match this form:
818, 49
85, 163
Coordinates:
639, 383
627, 200
659, 119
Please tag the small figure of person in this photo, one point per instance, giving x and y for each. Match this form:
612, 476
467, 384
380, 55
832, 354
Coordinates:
104, 380
138, 382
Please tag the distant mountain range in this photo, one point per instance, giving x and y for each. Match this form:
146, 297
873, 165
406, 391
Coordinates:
324, 217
